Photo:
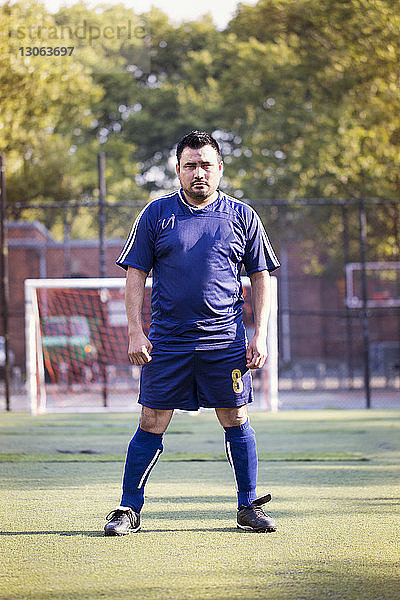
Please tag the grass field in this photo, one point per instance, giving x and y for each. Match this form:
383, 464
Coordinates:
333, 475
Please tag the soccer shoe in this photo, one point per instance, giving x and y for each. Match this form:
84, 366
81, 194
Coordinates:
253, 518
122, 521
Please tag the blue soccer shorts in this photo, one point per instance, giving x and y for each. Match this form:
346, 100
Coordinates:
191, 379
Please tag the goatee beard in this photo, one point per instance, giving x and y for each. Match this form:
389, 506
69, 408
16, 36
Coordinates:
200, 194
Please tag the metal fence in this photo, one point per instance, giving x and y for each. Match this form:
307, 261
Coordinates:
324, 342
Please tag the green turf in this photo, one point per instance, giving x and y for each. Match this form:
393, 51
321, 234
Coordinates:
90, 456
334, 477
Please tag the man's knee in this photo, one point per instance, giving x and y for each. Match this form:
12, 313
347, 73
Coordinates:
232, 417
155, 420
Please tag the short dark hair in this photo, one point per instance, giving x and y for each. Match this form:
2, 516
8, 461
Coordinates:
196, 140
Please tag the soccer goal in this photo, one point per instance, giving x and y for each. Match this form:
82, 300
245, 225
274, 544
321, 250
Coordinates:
382, 284
76, 346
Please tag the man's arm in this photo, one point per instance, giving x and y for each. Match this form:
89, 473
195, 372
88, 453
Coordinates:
140, 347
261, 299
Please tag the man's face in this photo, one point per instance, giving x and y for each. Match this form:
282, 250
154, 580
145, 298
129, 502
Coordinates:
199, 172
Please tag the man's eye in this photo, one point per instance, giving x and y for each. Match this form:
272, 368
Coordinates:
206, 166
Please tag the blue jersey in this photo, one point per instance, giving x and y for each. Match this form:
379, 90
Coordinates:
196, 256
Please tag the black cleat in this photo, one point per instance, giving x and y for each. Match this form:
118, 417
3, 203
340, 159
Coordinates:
122, 521
253, 518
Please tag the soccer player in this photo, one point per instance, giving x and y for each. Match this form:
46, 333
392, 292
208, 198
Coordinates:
196, 241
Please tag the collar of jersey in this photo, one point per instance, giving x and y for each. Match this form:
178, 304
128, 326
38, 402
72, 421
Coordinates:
195, 208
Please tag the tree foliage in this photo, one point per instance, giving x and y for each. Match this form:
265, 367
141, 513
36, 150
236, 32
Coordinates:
302, 95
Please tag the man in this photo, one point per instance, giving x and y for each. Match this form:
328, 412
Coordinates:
196, 355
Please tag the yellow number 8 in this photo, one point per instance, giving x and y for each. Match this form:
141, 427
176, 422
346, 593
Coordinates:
237, 381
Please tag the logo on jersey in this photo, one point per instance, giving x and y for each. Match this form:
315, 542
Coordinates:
167, 222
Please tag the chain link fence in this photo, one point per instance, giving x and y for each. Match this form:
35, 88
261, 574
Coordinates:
324, 343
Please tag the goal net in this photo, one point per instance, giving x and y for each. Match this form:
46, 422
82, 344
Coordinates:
76, 346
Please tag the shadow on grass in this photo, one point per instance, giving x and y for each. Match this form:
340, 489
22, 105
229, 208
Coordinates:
100, 532
53, 532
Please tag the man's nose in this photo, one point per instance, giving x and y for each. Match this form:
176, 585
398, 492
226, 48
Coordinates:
199, 171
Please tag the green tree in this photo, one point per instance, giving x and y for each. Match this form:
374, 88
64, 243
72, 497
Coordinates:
323, 94
301, 94
320, 116
43, 101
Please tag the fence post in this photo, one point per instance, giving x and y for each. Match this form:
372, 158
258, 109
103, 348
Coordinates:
396, 223
364, 310
349, 332
5, 291
102, 219
67, 243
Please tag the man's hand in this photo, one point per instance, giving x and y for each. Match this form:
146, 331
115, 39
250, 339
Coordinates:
139, 349
256, 353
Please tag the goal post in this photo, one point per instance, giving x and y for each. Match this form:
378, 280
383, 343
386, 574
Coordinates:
76, 346
34, 352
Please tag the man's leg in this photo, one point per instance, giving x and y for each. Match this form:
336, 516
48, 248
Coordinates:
143, 451
241, 450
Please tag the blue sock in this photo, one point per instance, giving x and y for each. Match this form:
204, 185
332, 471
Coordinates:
143, 452
241, 450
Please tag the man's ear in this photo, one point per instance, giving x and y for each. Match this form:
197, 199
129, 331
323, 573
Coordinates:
177, 168
221, 167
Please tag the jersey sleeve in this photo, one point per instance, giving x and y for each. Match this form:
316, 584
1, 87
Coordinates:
138, 251
259, 254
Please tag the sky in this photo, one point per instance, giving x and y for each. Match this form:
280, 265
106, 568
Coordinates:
178, 10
